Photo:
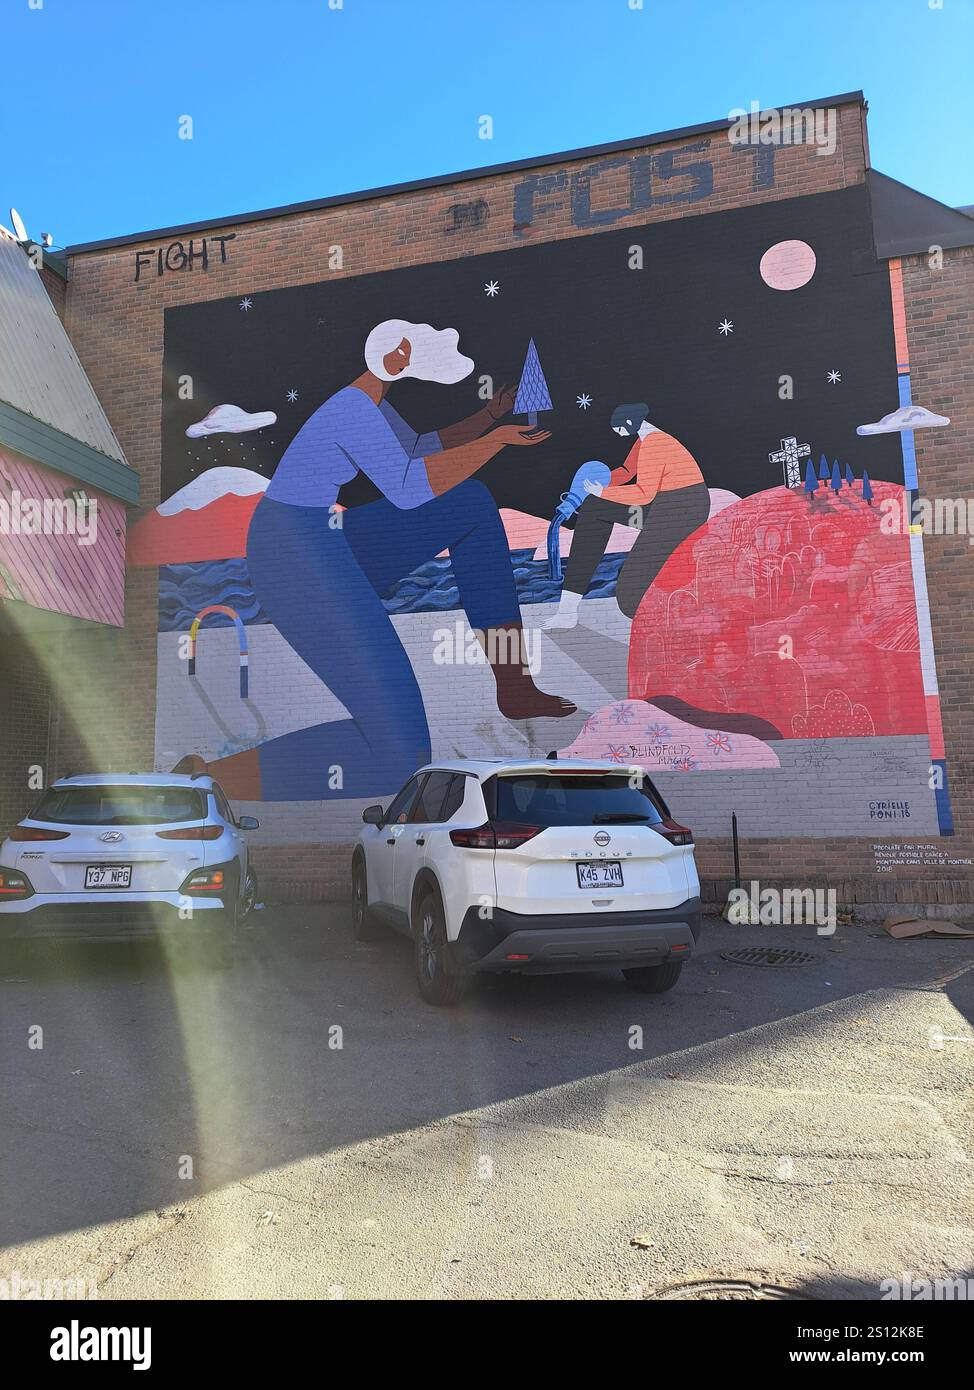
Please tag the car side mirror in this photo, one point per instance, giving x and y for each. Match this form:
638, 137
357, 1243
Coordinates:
373, 815
248, 823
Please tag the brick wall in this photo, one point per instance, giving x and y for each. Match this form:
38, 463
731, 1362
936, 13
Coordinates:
26, 715
939, 303
116, 323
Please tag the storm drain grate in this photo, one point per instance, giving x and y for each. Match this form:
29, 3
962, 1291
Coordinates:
766, 955
732, 1289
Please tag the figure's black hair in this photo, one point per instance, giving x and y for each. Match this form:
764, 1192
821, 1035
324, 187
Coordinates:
632, 416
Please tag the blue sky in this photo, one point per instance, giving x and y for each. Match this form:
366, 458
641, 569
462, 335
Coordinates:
291, 99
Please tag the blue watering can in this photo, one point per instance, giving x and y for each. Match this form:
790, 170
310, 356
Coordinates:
594, 471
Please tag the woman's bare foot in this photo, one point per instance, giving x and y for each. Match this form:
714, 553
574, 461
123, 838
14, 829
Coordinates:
517, 695
523, 700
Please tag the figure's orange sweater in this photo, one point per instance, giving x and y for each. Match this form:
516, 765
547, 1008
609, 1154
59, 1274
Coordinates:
658, 463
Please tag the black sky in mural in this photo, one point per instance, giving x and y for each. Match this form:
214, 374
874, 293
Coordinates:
602, 331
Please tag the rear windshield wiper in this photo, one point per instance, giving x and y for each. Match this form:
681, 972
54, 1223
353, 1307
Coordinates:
617, 817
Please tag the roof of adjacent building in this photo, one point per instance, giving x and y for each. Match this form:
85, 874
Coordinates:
48, 408
40, 372
906, 222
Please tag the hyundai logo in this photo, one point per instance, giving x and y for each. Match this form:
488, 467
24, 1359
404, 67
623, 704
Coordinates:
111, 835
602, 838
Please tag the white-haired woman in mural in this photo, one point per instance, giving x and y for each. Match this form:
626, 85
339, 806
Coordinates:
319, 573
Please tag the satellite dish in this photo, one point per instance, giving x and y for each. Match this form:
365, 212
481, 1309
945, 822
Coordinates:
20, 231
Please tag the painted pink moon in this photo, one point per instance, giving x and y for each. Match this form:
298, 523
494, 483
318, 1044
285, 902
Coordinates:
788, 265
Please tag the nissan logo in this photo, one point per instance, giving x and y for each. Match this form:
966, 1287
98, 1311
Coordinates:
602, 838
111, 835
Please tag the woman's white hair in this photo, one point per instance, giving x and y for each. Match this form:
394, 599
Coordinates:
434, 354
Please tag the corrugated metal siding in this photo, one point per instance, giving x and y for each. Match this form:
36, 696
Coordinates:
40, 372
55, 572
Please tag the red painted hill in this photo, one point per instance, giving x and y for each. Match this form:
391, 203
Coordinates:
794, 612
217, 531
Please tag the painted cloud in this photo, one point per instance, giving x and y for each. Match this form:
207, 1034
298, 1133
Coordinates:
908, 417
230, 419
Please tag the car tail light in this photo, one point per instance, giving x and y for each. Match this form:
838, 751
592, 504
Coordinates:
676, 834
495, 835
14, 885
204, 881
192, 832
35, 832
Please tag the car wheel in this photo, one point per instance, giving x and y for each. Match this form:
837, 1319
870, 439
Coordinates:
364, 925
654, 979
249, 900
430, 947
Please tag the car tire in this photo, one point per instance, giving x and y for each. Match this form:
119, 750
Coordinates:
436, 985
654, 979
364, 925
249, 900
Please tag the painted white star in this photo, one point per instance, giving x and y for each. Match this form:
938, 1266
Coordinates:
834, 376
247, 303
491, 288
725, 326
583, 401
292, 395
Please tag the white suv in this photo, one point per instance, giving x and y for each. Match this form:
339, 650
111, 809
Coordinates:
531, 866
128, 855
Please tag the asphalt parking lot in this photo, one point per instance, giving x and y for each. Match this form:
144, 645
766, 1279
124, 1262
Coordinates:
304, 1126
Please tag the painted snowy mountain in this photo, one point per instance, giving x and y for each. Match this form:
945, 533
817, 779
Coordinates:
205, 520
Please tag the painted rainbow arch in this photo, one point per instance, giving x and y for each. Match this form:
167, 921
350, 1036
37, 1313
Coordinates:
241, 641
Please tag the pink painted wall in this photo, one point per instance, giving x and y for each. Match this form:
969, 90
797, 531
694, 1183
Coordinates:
56, 572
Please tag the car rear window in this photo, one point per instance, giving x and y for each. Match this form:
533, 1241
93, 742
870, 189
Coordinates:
120, 805
574, 800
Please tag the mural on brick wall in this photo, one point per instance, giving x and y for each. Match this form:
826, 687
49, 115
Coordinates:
625, 496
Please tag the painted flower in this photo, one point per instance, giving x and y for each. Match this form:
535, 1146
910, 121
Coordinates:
719, 743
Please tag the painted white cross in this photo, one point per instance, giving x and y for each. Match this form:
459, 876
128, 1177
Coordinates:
788, 455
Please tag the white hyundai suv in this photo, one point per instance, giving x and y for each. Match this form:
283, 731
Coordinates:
529, 866
112, 856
